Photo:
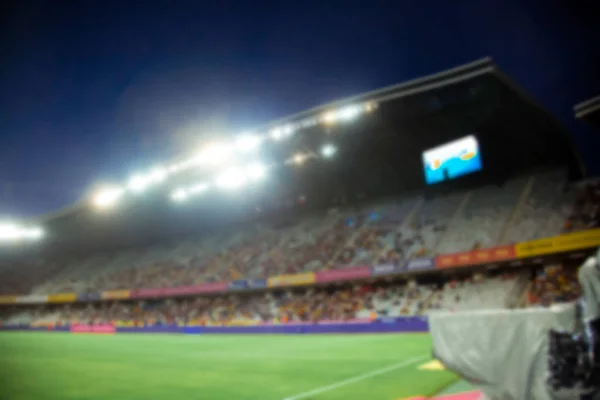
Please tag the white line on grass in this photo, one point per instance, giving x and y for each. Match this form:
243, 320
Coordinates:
358, 378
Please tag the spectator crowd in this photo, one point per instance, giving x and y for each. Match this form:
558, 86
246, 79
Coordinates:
387, 232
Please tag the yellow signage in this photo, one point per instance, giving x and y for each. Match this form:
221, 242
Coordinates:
292, 280
115, 294
62, 298
8, 299
558, 244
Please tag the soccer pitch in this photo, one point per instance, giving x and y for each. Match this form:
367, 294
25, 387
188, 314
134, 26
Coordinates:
55, 366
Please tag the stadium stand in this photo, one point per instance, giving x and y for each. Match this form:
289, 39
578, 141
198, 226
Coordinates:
534, 206
554, 284
359, 301
392, 231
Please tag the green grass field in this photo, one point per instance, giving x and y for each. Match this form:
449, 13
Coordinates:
57, 366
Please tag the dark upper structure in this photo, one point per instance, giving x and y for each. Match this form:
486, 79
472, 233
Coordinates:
379, 155
589, 111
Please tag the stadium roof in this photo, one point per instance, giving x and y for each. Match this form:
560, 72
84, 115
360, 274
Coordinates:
379, 154
589, 111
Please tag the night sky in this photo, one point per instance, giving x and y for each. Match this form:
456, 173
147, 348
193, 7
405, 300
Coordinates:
90, 91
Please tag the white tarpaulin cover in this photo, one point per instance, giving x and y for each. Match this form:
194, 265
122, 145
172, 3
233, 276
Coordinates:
504, 352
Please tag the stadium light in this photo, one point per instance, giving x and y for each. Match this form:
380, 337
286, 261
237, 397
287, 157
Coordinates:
215, 154
370, 106
233, 178
108, 197
329, 117
299, 158
179, 195
34, 233
248, 142
256, 171
276, 133
348, 113
328, 150
12, 232
158, 175
199, 188
138, 183
287, 130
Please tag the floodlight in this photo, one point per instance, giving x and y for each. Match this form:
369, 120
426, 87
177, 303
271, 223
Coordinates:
299, 158
248, 142
215, 154
329, 117
328, 150
158, 174
108, 197
179, 195
256, 171
8, 231
171, 169
138, 183
276, 133
348, 113
34, 233
199, 188
231, 179
287, 130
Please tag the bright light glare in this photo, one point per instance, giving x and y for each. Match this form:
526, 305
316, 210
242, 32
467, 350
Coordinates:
256, 171
138, 183
248, 142
344, 114
231, 179
328, 150
215, 154
287, 130
35, 233
276, 133
9, 232
348, 113
179, 195
329, 117
158, 174
299, 158
199, 188
108, 197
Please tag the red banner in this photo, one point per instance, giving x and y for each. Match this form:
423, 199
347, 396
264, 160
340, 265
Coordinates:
181, 290
482, 256
105, 328
343, 274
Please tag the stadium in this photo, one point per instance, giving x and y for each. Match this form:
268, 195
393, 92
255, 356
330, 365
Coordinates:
302, 259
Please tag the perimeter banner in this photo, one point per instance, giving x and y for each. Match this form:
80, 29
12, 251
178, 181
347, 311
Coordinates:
343, 274
80, 328
8, 299
179, 291
238, 285
115, 294
32, 299
386, 269
257, 283
242, 284
62, 298
419, 264
291, 280
482, 256
90, 296
570, 241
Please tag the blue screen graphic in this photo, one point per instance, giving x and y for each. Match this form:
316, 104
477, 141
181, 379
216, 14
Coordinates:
452, 160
